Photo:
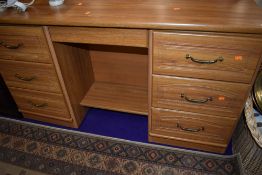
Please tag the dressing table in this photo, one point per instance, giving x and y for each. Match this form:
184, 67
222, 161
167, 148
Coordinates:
188, 65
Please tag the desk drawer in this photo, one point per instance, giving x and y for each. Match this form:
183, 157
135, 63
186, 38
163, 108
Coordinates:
24, 44
192, 127
200, 96
49, 104
35, 76
106, 36
217, 57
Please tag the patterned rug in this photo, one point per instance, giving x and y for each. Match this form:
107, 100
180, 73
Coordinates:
250, 152
27, 148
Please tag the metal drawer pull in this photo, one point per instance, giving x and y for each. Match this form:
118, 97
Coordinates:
190, 129
25, 78
196, 100
8, 46
204, 61
42, 105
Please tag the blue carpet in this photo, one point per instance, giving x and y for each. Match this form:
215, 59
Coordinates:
110, 123
115, 124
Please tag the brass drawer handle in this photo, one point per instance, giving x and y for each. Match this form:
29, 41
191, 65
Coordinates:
8, 46
41, 105
190, 129
25, 78
204, 61
196, 100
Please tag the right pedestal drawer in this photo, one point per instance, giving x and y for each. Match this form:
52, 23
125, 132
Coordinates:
199, 85
192, 127
201, 96
217, 57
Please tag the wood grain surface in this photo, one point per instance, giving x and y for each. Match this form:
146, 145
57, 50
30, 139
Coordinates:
165, 122
238, 55
118, 97
182, 142
76, 75
50, 104
107, 36
33, 44
215, 15
120, 65
43, 76
226, 99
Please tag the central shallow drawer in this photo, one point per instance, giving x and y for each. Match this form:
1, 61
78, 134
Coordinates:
201, 96
27, 75
189, 126
106, 36
24, 44
48, 104
216, 57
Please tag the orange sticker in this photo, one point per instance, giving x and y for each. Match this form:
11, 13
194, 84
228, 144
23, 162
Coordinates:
176, 8
221, 98
238, 58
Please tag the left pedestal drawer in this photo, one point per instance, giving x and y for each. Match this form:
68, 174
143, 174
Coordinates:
41, 103
30, 74
35, 76
24, 44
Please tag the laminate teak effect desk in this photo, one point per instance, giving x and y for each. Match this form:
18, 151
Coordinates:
188, 65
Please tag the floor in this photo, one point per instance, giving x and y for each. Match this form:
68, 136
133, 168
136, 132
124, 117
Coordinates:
115, 124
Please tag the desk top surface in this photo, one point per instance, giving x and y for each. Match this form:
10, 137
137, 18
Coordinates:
205, 15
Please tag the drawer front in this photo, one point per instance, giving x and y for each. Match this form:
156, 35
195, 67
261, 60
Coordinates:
201, 96
192, 126
41, 103
33, 76
24, 44
106, 36
229, 58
